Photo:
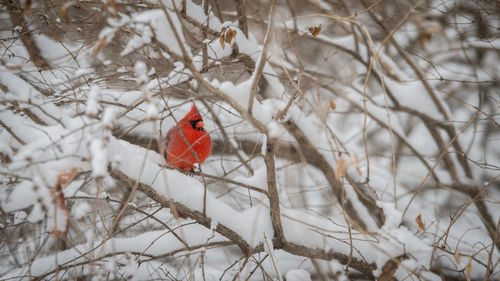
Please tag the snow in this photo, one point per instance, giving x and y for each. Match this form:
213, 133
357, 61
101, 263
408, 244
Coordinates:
5, 149
114, 24
149, 243
141, 72
84, 71
109, 118
138, 40
26, 96
49, 48
162, 31
263, 111
37, 214
392, 216
19, 217
36, 193
240, 93
80, 210
99, 163
298, 275
152, 112
360, 208
93, 102
22, 190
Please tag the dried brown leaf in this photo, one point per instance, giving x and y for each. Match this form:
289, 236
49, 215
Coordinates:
315, 30
58, 219
221, 40
66, 177
341, 168
226, 36
331, 105
230, 35
420, 223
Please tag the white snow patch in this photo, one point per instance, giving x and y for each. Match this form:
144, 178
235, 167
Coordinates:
298, 275
163, 31
141, 72
99, 158
109, 118
93, 102
80, 210
152, 112
83, 71
393, 216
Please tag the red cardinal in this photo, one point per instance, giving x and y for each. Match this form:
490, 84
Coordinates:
188, 143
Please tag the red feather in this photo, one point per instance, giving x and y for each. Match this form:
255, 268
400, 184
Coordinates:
188, 143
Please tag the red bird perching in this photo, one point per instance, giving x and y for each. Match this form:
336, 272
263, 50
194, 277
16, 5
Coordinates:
188, 143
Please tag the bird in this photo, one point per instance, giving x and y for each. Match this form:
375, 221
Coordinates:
187, 143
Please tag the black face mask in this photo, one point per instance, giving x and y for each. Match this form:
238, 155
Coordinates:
194, 123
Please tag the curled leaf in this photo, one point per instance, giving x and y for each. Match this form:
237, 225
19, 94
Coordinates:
221, 40
59, 214
226, 36
315, 30
420, 223
230, 35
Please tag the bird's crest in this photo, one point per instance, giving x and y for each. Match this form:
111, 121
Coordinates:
193, 114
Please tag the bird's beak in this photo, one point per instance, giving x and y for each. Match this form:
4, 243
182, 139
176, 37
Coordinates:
200, 124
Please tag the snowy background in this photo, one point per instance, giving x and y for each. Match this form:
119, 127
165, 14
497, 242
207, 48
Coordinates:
353, 140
